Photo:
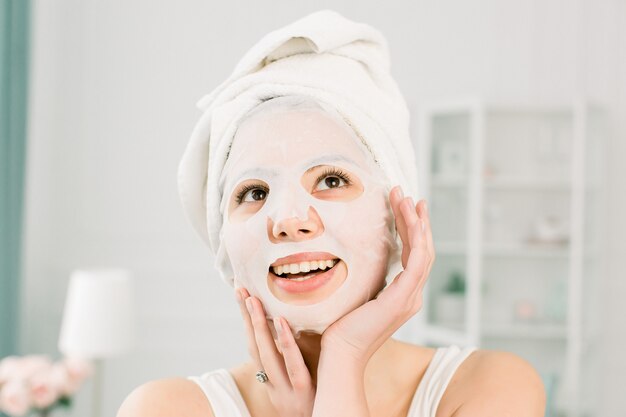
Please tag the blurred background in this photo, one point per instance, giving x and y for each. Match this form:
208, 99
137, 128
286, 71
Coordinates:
519, 124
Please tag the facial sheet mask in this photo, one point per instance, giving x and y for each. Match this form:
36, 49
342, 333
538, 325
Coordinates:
277, 148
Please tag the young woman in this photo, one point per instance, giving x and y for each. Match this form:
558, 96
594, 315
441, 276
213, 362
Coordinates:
328, 259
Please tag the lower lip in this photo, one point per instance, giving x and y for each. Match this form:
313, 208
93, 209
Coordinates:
311, 284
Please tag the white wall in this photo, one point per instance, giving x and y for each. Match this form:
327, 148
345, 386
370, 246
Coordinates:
613, 399
112, 104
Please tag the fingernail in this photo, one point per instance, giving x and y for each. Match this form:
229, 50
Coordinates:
400, 192
425, 207
278, 325
249, 305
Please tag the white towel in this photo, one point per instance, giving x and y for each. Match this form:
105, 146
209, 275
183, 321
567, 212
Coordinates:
323, 55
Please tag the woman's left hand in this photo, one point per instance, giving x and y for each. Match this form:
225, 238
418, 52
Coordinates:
358, 334
289, 383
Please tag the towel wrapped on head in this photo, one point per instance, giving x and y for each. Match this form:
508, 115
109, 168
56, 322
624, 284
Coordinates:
333, 60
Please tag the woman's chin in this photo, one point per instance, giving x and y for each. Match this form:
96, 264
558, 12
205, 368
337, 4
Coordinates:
310, 289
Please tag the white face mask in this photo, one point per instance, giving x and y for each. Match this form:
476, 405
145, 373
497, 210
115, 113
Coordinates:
289, 213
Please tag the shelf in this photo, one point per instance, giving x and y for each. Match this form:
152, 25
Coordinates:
525, 250
497, 170
443, 335
502, 183
448, 182
437, 331
506, 250
525, 330
451, 248
526, 183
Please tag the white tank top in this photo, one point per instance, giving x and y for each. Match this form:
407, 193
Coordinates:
226, 400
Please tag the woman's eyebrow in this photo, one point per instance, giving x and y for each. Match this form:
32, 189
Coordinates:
327, 159
258, 172
312, 163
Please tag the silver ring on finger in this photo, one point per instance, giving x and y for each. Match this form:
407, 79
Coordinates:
261, 376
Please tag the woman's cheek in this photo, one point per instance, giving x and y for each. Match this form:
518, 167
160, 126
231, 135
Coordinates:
240, 246
367, 232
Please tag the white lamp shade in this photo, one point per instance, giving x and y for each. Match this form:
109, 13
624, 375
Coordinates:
98, 320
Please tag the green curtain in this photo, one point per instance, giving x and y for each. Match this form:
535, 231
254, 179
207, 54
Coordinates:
14, 36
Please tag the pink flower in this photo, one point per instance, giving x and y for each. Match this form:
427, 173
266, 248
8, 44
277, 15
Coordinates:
29, 365
34, 381
8, 367
15, 398
63, 381
43, 389
78, 368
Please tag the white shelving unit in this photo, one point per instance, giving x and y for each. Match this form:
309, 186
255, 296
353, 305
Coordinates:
514, 195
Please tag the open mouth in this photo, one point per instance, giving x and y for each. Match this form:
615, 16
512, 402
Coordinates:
300, 277
303, 271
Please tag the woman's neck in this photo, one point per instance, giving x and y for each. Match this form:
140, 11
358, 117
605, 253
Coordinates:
310, 346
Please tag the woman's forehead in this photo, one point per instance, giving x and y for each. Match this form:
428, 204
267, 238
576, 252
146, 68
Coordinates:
293, 137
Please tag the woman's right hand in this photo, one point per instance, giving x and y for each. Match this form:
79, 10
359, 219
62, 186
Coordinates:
289, 384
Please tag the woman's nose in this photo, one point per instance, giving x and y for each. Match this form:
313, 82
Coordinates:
293, 229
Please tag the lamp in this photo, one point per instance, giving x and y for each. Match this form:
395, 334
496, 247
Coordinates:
98, 319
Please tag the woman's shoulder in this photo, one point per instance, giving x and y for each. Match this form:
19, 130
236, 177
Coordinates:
166, 397
511, 384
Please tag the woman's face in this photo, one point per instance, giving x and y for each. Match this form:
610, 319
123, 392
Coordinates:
307, 221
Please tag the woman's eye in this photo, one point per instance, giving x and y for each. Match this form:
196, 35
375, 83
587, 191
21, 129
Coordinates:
332, 181
256, 194
251, 195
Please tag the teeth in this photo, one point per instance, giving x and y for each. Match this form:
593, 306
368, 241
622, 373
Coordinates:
304, 278
304, 267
